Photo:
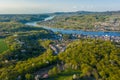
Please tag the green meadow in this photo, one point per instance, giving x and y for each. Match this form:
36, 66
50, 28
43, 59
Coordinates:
3, 46
66, 75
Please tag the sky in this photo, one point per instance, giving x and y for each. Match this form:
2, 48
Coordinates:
49, 6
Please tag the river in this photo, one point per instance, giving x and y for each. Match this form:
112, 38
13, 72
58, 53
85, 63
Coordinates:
69, 31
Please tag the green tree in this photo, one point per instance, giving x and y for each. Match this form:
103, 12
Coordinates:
29, 77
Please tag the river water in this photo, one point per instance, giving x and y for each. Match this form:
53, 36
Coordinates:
69, 31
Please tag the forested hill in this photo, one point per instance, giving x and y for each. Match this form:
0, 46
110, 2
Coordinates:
34, 53
87, 12
83, 20
23, 18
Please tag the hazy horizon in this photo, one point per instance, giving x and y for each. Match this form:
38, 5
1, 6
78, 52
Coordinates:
50, 6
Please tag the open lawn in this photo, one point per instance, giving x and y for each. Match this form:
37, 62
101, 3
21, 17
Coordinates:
67, 75
3, 46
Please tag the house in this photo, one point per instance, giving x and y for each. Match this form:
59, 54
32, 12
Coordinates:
23, 51
54, 49
45, 75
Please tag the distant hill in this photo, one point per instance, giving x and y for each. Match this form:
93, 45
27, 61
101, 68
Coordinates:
86, 20
87, 12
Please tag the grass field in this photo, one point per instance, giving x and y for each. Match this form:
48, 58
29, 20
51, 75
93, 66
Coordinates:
64, 75
3, 46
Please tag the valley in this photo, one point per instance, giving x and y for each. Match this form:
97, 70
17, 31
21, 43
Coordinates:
66, 46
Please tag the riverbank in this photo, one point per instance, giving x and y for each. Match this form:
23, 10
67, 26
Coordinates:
70, 31
92, 22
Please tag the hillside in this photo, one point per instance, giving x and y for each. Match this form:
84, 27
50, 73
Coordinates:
90, 21
34, 53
